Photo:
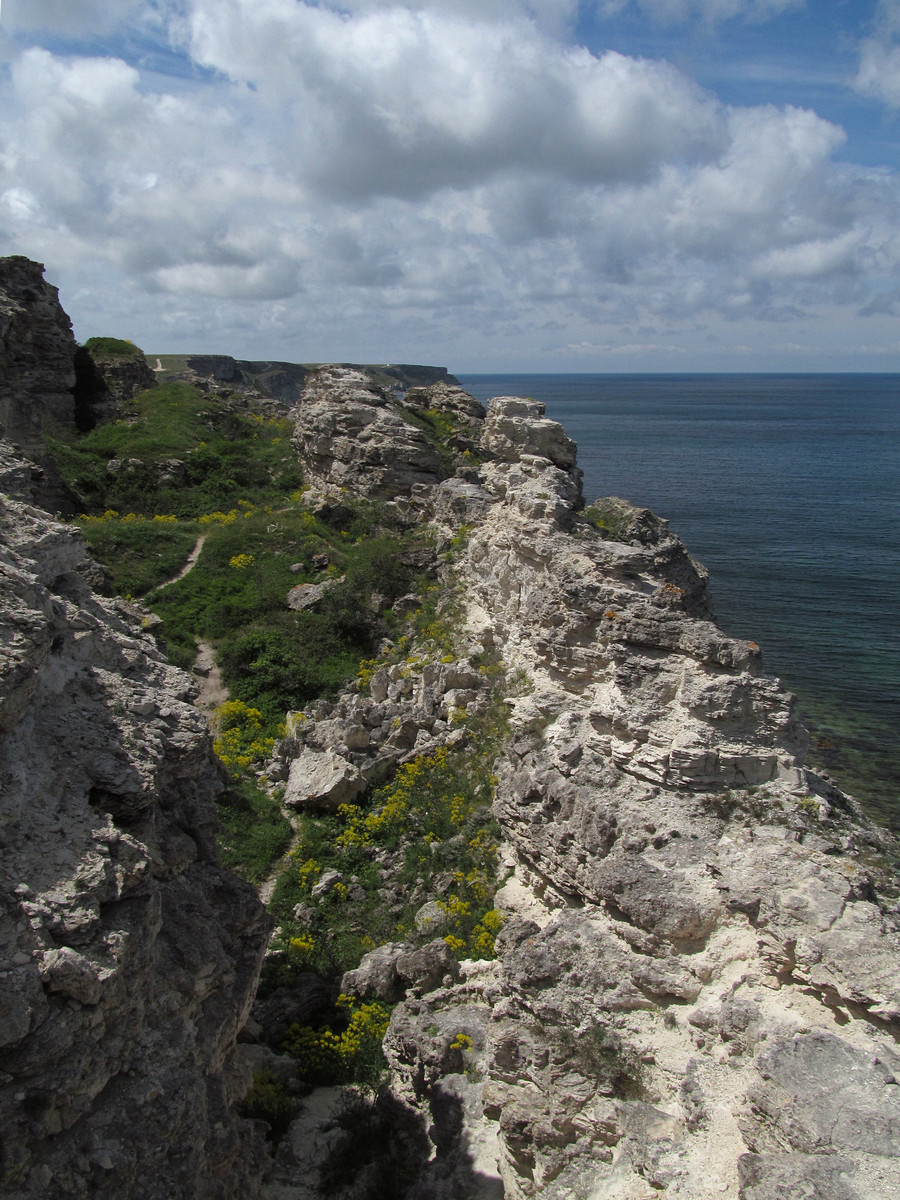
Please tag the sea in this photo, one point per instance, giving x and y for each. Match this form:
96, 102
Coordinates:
787, 487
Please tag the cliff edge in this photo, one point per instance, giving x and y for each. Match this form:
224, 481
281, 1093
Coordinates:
696, 988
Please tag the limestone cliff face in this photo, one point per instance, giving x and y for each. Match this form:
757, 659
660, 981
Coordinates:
351, 433
104, 382
697, 989
129, 957
37, 353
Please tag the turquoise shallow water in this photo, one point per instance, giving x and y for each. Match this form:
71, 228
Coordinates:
788, 488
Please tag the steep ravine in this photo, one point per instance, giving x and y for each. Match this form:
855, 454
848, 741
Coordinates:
687, 983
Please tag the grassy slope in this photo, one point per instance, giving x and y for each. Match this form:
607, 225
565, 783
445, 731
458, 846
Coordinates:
193, 465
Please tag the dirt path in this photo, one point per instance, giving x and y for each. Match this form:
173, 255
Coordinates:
213, 691
267, 887
189, 563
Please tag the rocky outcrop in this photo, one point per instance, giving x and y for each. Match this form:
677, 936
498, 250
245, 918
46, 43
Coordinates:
353, 434
105, 380
37, 353
129, 957
350, 434
696, 990
285, 381
337, 749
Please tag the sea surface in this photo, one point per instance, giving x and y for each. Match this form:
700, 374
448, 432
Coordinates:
788, 488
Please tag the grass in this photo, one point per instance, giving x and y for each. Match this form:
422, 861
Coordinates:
222, 455
254, 830
138, 556
112, 348
235, 596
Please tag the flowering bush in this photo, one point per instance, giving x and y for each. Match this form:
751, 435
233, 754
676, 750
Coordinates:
353, 1054
219, 518
241, 742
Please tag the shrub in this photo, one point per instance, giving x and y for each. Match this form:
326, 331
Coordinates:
268, 1100
351, 1054
110, 347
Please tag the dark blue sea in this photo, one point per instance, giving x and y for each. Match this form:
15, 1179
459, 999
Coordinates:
788, 488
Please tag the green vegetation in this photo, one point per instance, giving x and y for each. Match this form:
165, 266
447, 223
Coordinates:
349, 1054
187, 465
427, 833
110, 347
178, 451
610, 519
431, 827
138, 553
269, 1100
254, 830
271, 657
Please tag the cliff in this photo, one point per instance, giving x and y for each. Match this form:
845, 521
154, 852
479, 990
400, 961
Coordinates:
622, 941
108, 373
37, 372
696, 989
283, 381
128, 956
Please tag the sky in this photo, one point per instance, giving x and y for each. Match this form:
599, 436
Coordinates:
486, 185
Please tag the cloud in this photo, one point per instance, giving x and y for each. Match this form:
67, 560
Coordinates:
404, 102
879, 57
66, 19
671, 12
424, 168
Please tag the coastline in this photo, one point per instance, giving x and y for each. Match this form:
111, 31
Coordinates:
799, 549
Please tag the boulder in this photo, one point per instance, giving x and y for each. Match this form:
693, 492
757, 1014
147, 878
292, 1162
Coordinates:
323, 779
376, 977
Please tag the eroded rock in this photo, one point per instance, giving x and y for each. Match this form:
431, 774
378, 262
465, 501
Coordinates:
129, 956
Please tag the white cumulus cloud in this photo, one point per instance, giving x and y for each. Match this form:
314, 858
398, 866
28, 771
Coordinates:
439, 172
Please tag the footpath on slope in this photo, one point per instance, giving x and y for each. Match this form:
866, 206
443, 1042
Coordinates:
212, 693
